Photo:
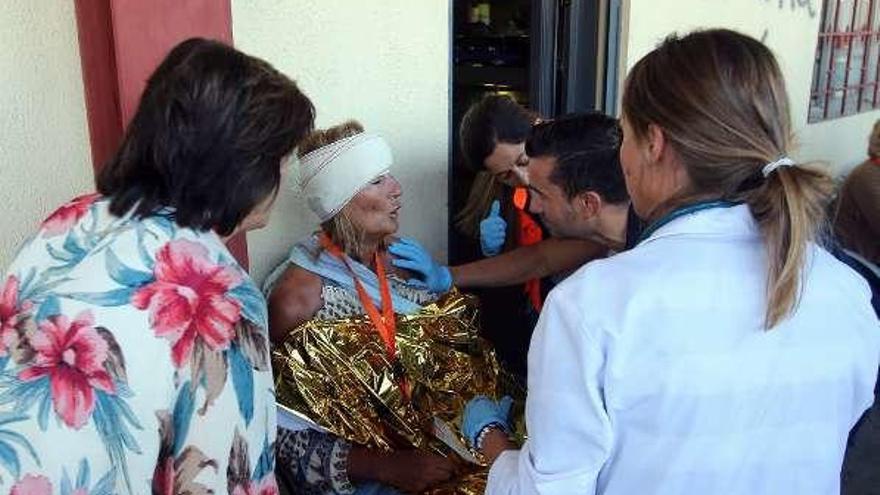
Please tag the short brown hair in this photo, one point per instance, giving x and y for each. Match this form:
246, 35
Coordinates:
720, 100
322, 137
586, 148
207, 139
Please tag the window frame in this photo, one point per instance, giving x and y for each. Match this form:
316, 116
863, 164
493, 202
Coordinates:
833, 85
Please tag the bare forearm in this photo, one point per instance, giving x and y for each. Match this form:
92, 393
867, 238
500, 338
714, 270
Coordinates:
509, 268
411, 471
367, 464
540, 260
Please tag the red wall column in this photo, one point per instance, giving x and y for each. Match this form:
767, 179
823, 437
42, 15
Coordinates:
121, 43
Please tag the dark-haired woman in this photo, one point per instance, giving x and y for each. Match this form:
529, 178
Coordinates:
727, 352
134, 349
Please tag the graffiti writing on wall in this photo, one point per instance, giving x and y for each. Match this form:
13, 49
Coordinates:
808, 6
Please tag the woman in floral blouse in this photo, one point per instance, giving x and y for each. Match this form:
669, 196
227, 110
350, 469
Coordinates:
133, 347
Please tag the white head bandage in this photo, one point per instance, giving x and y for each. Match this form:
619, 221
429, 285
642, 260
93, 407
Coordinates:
782, 162
331, 175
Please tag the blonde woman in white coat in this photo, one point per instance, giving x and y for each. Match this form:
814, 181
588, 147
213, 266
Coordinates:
728, 352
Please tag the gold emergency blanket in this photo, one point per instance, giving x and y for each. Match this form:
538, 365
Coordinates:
337, 373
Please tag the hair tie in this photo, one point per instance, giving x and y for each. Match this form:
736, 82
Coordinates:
782, 162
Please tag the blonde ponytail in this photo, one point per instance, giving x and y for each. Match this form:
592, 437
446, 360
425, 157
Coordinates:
720, 99
790, 208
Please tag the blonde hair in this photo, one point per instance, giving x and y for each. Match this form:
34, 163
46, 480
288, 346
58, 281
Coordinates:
874, 141
720, 100
342, 231
484, 190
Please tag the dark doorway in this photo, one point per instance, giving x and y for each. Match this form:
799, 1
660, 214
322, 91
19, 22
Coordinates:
551, 56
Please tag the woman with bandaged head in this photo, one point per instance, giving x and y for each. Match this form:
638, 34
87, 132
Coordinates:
366, 358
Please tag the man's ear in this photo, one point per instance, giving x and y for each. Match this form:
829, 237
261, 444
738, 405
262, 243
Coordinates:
587, 204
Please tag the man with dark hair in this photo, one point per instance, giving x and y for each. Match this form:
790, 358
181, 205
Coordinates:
576, 181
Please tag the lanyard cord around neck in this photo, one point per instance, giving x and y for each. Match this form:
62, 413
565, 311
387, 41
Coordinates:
383, 322
682, 211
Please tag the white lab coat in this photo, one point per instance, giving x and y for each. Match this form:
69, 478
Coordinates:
650, 373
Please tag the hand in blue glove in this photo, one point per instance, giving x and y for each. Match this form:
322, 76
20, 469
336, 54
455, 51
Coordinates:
409, 255
482, 411
493, 231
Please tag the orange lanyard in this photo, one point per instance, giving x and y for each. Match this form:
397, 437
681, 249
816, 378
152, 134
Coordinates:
384, 322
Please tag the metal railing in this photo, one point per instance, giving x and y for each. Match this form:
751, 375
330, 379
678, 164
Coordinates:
846, 75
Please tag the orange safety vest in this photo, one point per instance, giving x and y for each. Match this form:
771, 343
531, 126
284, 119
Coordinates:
528, 233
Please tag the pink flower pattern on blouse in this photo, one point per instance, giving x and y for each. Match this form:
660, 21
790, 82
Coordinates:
12, 314
32, 485
65, 217
72, 355
189, 301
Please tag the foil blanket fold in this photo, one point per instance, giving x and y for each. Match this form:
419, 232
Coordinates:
338, 375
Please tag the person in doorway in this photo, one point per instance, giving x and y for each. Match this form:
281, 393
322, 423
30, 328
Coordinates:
127, 328
492, 136
699, 361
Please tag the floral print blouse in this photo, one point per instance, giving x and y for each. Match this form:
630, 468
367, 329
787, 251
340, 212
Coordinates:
133, 359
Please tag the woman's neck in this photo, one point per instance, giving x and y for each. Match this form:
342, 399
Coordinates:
663, 187
680, 201
365, 251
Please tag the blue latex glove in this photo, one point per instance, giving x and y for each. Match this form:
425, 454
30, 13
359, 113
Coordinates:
410, 255
493, 231
482, 411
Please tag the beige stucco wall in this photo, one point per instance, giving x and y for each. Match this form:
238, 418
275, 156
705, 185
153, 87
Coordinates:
791, 32
383, 62
44, 147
